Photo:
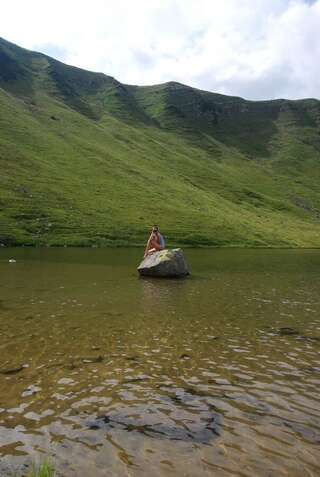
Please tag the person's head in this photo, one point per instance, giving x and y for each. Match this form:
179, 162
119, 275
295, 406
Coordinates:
155, 229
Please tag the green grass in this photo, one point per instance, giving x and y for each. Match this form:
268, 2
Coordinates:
86, 160
44, 470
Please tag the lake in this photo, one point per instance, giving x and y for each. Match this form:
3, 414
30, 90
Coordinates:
106, 374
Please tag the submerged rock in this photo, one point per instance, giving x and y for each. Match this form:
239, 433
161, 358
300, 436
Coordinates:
13, 370
183, 416
166, 263
92, 359
287, 331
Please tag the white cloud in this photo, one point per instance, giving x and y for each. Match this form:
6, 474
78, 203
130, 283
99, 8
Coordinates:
258, 49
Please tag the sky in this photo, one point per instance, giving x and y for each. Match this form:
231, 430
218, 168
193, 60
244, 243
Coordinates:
257, 49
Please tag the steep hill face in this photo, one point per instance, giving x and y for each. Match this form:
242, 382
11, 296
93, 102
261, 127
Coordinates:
87, 160
246, 125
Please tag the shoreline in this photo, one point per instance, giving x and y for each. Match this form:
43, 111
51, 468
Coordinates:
141, 246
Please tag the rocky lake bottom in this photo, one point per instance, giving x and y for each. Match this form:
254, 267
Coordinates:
106, 374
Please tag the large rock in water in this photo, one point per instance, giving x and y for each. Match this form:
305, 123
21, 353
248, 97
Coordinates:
166, 263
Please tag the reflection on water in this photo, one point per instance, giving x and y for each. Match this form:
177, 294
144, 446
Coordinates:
112, 375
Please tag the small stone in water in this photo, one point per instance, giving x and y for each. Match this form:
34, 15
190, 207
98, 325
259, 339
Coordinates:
66, 381
94, 427
286, 331
31, 390
94, 359
15, 370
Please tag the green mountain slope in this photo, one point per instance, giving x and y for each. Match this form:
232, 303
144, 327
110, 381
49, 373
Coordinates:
87, 160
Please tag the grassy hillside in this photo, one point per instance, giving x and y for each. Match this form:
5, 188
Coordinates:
86, 160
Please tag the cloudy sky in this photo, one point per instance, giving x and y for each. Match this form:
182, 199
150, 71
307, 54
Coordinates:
257, 49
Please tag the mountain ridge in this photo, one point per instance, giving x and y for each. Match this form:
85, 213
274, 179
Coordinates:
222, 170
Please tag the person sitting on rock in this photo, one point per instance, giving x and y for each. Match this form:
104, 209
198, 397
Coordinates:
155, 242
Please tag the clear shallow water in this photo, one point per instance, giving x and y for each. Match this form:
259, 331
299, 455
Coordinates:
111, 375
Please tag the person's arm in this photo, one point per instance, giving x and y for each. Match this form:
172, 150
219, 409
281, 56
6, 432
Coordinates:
147, 246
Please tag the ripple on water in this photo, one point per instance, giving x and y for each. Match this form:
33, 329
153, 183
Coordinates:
216, 376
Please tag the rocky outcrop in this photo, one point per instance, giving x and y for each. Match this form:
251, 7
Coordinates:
166, 263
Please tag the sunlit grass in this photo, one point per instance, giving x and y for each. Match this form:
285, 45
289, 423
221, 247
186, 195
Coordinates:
97, 167
44, 470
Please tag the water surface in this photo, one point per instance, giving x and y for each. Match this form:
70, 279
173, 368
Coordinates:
110, 375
